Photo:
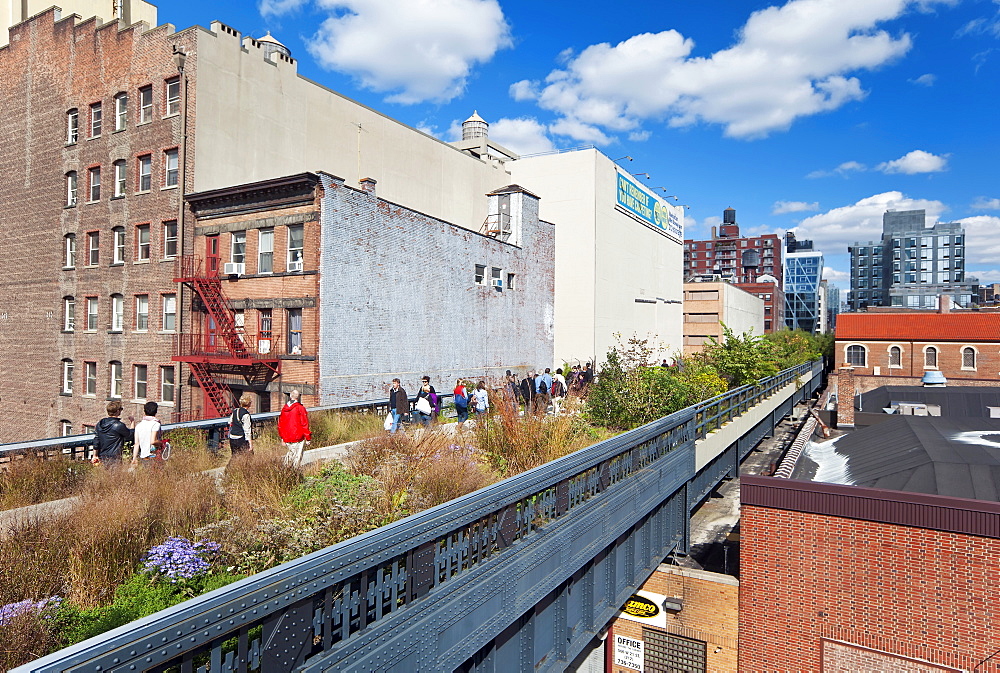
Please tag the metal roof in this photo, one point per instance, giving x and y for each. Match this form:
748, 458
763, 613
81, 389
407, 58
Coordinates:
956, 457
970, 401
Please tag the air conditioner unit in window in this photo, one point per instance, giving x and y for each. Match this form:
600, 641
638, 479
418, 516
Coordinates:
233, 269
294, 266
498, 285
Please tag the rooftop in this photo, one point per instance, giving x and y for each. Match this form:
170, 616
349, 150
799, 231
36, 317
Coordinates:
962, 327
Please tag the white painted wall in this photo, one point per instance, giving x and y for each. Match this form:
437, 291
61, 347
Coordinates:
259, 120
605, 259
742, 311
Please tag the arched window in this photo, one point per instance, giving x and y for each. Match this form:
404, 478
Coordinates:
930, 357
856, 356
968, 358
895, 356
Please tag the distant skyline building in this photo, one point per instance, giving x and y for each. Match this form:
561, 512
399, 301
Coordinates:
804, 304
751, 263
911, 265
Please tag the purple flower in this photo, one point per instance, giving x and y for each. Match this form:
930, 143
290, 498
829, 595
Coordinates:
180, 559
13, 610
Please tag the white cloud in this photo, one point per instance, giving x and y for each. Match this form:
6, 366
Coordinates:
782, 207
982, 245
278, 7
915, 162
421, 50
843, 169
836, 229
787, 62
926, 79
983, 203
577, 130
522, 135
835, 276
523, 90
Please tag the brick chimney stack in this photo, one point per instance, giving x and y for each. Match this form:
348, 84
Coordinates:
368, 185
845, 397
944, 303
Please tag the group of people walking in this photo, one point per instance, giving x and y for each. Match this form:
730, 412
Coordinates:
428, 402
111, 434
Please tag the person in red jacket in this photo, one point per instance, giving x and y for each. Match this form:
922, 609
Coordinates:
293, 428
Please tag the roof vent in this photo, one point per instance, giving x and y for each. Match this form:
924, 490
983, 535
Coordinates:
934, 379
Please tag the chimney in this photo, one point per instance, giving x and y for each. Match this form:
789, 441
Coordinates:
368, 185
845, 397
944, 303
713, 233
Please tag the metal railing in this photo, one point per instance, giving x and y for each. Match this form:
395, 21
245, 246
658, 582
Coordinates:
520, 575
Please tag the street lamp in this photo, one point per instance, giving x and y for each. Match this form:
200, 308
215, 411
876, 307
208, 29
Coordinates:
635, 175
665, 191
624, 157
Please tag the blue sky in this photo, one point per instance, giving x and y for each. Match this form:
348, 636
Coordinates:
813, 115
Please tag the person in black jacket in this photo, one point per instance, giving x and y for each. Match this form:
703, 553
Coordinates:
111, 436
399, 405
528, 391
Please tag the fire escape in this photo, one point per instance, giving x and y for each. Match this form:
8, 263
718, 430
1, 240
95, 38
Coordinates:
214, 346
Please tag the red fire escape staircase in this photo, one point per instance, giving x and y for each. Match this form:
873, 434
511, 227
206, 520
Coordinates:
223, 350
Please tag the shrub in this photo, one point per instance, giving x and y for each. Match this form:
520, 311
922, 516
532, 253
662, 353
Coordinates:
449, 475
33, 479
330, 428
180, 559
256, 485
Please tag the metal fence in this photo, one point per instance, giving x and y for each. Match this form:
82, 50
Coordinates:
518, 576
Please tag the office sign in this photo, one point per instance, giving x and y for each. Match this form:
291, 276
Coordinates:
629, 653
645, 206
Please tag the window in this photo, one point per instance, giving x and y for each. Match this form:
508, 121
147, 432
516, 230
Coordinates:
510, 281
669, 652
67, 377
173, 86
170, 239
71, 188
120, 178
121, 111
90, 378
65, 428
142, 247
141, 312
480, 276
140, 375
94, 180
495, 279
295, 242
69, 314
117, 313
119, 245
264, 333
856, 356
72, 126
93, 248
265, 251
91, 314
166, 385
95, 120
145, 172
170, 168
930, 356
69, 246
238, 251
295, 331
116, 379
169, 312
968, 358
145, 104
895, 356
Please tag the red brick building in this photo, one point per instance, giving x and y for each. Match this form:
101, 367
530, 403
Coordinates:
964, 347
92, 225
727, 254
847, 578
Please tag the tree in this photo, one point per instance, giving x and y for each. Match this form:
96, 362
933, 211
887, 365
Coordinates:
741, 359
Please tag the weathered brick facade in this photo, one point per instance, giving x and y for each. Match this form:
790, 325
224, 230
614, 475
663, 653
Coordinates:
52, 68
820, 592
399, 296
709, 615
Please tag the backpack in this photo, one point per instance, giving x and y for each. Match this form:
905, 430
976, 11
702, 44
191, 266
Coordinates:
557, 388
461, 400
236, 423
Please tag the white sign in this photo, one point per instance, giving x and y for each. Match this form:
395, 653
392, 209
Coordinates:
628, 653
646, 608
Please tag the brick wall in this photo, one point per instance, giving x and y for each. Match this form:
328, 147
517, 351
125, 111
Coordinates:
912, 361
51, 67
818, 592
398, 298
709, 614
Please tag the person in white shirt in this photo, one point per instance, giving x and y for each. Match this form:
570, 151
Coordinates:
560, 393
147, 435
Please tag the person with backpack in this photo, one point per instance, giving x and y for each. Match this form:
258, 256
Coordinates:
543, 393
241, 428
461, 403
558, 390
